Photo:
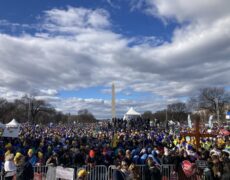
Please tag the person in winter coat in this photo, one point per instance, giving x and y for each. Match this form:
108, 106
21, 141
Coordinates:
9, 167
167, 158
24, 168
52, 160
152, 172
226, 172
32, 157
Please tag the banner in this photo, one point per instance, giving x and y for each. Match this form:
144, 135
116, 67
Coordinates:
11, 131
201, 164
51, 173
65, 173
228, 115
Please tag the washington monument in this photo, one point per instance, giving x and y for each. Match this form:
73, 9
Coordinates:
113, 102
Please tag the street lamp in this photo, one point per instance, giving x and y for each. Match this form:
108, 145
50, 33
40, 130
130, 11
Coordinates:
217, 110
29, 101
166, 117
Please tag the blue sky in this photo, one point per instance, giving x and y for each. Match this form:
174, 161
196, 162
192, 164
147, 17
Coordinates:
125, 20
69, 52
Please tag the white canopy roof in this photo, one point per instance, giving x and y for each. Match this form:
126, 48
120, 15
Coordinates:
13, 123
132, 112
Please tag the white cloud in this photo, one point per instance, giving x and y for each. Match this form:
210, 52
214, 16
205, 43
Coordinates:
196, 10
76, 48
75, 20
50, 92
102, 108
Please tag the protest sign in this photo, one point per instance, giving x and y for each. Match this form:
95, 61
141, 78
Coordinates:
65, 173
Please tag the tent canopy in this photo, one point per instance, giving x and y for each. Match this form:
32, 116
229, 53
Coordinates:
131, 114
12, 129
13, 123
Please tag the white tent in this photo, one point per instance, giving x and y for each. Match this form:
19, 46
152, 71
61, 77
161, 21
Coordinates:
2, 127
13, 123
131, 114
11, 129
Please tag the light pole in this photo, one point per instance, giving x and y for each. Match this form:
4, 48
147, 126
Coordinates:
217, 110
29, 109
166, 117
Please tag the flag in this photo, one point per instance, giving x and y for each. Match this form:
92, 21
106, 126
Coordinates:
189, 121
210, 124
115, 141
228, 115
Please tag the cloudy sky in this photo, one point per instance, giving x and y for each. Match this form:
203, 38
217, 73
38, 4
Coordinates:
69, 52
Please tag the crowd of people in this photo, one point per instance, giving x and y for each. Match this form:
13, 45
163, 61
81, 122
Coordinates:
122, 144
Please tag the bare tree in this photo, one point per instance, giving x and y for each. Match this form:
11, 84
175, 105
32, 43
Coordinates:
147, 115
177, 111
193, 104
6, 110
160, 115
38, 111
32, 107
211, 99
85, 116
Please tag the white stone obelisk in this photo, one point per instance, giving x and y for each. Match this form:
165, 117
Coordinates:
113, 102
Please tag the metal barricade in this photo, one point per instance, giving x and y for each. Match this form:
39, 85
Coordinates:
141, 171
111, 170
138, 168
1, 173
99, 172
40, 172
168, 172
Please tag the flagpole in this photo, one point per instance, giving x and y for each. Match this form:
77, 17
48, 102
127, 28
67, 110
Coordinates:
29, 110
166, 116
217, 110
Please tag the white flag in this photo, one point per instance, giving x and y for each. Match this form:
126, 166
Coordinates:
210, 124
189, 121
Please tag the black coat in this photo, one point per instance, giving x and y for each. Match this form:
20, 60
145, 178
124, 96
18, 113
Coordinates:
152, 173
167, 160
118, 175
25, 171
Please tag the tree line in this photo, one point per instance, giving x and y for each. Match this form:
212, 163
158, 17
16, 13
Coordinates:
208, 101
29, 109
